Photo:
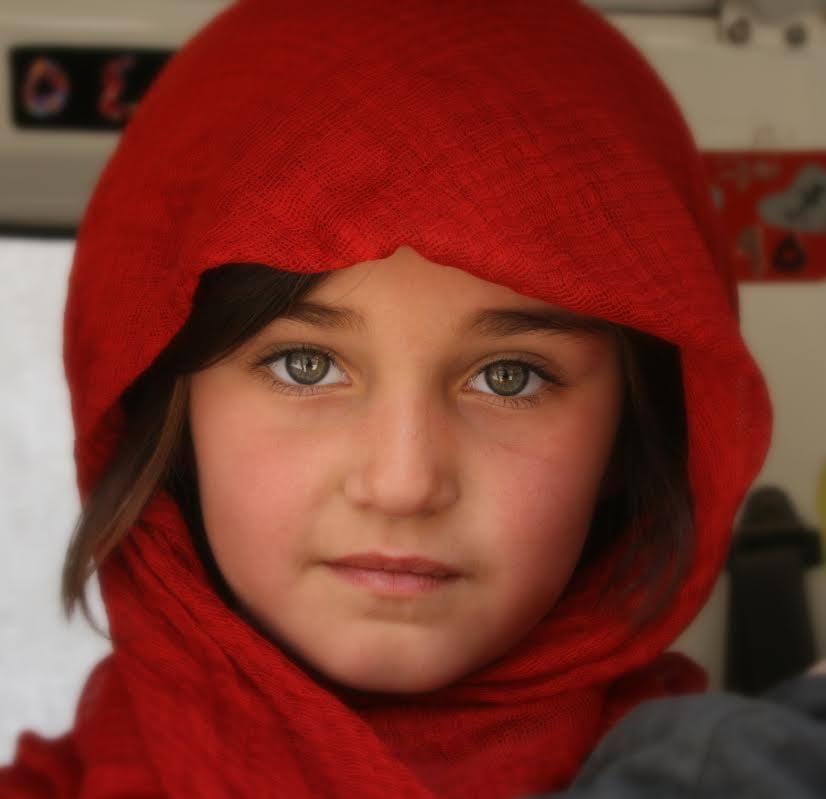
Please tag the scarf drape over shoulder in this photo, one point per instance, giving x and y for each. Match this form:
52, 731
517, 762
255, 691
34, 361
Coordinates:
524, 141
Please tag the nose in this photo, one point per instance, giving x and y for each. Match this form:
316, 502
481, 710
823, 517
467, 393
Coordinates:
405, 460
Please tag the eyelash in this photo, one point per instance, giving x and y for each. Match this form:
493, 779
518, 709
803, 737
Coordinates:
515, 402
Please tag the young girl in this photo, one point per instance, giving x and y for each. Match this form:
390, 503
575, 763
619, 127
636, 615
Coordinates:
412, 413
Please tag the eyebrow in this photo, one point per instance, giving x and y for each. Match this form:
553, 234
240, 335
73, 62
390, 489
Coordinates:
489, 322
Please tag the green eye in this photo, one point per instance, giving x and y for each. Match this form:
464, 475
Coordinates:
508, 377
306, 366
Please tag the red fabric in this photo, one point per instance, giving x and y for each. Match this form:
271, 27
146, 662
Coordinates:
523, 141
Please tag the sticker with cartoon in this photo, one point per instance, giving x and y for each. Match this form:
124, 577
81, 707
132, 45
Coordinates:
773, 208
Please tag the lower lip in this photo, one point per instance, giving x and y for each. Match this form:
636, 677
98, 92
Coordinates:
392, 583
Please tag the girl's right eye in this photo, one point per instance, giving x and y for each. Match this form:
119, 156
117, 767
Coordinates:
301, 370
305, 365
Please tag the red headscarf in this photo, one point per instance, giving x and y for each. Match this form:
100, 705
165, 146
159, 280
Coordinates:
525, 142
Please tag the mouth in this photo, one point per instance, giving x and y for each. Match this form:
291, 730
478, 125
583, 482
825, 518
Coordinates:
394, 576
404, 564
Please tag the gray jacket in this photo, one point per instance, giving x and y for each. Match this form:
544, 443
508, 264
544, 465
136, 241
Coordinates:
714, 746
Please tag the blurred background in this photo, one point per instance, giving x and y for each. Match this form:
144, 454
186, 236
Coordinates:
750, 77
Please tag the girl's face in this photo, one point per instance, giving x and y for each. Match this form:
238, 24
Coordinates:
407, 431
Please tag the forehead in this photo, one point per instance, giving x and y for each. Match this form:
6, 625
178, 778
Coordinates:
356, 299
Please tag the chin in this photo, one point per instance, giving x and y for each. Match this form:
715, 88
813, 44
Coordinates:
389, 679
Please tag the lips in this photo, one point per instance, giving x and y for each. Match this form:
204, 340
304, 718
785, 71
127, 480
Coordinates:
410, 564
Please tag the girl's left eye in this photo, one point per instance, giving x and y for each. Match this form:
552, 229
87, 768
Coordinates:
301, 370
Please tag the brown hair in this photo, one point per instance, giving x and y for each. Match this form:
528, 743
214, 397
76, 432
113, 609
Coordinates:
646, 479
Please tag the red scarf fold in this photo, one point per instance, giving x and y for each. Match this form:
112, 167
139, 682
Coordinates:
182, 687
526, 142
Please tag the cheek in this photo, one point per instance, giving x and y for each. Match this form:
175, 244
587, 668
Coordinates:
538, 519
253, 483
540, 493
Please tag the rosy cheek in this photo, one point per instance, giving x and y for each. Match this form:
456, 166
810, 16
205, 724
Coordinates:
542, 507
557, 470
540, 498
228, 453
